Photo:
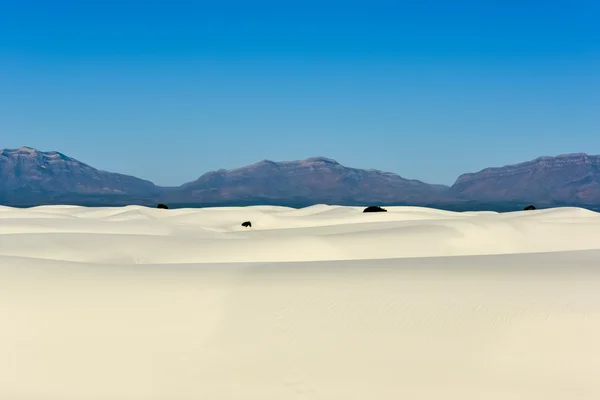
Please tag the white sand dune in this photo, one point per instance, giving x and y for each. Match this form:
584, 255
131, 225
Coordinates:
318, 303
320, 233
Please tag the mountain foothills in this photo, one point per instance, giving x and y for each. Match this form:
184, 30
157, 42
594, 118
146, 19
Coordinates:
30, 177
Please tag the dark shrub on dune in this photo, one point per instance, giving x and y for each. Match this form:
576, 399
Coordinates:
163, 206
247, 224
374, 209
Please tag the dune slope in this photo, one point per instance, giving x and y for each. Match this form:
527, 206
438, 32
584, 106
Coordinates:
214, 235
137, 303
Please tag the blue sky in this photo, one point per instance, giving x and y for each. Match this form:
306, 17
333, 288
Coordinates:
167, 90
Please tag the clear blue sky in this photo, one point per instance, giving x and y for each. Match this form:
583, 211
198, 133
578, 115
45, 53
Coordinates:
167, 90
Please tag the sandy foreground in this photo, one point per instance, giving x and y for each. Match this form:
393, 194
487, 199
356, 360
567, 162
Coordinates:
318, 303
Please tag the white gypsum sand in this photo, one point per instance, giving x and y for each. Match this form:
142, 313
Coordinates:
318, 303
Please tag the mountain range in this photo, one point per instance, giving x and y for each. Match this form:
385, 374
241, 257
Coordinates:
31, 177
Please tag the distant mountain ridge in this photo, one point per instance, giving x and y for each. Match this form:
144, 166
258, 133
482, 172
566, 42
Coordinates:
567, 178
32, 177
315, 179
29, 175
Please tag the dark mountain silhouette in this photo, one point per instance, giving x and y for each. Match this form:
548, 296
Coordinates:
31, 177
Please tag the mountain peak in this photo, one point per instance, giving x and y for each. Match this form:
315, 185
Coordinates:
310, 160
571, 155
26, 152
321, 160
20, 150
306, 161
567, 156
